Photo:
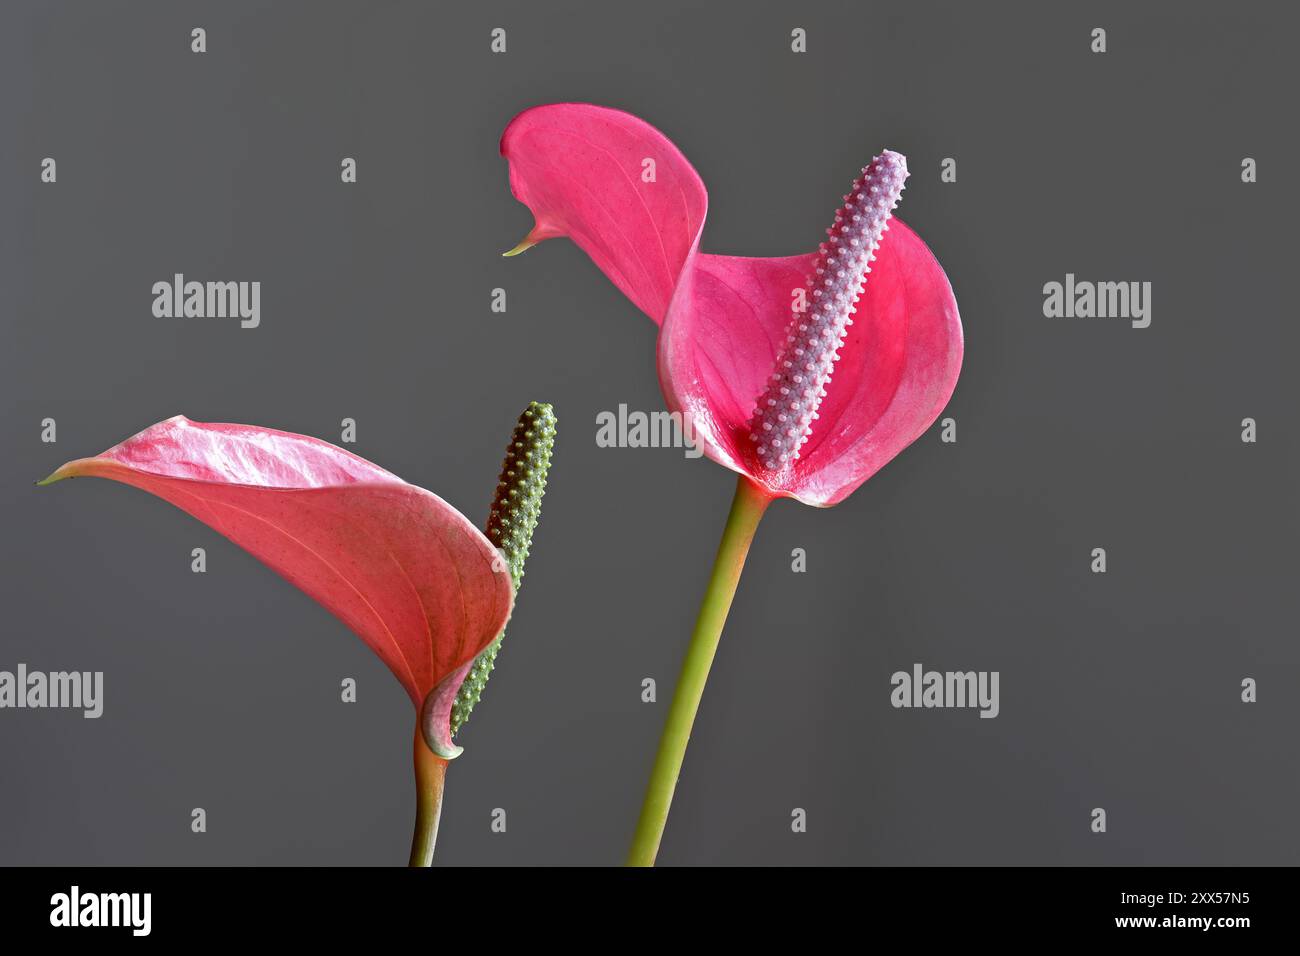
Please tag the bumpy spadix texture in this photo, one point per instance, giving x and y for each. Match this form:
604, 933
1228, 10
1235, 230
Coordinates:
407, 572
786, 410
516, 506
724, 320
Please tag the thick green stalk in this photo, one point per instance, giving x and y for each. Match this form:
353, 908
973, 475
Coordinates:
747, 509
430, 774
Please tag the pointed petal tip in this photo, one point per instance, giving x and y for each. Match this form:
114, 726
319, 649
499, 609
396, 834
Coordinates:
447, 751
66, 470
435, 714
523, 247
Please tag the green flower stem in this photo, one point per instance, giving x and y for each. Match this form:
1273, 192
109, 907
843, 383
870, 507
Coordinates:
747, 509
430, 772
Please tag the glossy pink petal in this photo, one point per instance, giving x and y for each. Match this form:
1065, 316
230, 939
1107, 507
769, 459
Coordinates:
582, 170
398, 565
727, 315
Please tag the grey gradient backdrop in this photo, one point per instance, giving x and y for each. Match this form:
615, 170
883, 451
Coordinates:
222, 690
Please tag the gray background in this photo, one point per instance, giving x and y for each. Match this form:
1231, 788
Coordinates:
1118, 690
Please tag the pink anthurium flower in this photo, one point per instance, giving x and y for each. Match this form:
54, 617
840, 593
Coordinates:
407, 572
805, 374
862, 370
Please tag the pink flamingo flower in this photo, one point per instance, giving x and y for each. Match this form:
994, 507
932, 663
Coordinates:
407, 572
805, 374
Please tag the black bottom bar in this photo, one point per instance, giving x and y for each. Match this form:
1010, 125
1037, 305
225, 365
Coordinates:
444, 905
